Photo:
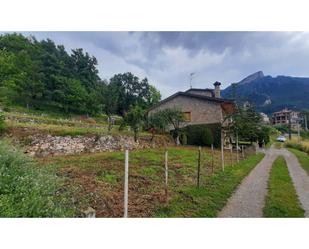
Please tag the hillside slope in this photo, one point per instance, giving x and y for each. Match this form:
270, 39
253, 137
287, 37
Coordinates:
271, 94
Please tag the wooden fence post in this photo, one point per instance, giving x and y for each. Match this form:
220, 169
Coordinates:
212, 159
242, 152
222, 154
198, 166
166, 175
231, 149
126, 183
237, 157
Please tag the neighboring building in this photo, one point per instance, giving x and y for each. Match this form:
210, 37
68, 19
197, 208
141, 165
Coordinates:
199, 106
265, 118
282, 118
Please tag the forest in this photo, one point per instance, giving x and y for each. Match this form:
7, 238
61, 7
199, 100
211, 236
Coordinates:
45, 76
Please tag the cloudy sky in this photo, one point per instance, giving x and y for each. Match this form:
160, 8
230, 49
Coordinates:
168, 58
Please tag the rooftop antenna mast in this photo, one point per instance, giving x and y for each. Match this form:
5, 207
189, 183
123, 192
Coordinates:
191, 77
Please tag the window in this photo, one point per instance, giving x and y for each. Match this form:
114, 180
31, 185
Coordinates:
187, 116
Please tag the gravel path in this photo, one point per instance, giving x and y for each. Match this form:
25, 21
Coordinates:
300, 179
249, 198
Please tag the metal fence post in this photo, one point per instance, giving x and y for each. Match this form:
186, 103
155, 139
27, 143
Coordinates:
212, 159
222, 155
166, 175
126, 183
198, 166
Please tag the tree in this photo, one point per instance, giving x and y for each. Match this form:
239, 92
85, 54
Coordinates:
41, 74
84, 68
135, 118
246, 123
175, 118
109, 100
156, 122
70, 94
133, 91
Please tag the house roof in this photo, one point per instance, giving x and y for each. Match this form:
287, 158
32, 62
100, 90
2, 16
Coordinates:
200, 89
191, 95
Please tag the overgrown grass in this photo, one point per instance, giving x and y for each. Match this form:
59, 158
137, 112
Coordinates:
208, 200
100, 177
302, 157
281, 200
27, 190
63, 130
302, 145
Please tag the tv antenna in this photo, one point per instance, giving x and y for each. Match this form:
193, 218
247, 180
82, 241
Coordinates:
191, 77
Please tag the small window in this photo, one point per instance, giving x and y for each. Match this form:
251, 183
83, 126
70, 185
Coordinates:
187, 116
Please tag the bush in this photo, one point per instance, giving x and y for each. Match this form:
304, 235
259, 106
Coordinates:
297, 146
304, 134
283, 128
202, 135
183, 139
2, 122
207, 137
264, 135
27, 190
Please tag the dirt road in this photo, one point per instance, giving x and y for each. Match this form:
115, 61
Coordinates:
249, 198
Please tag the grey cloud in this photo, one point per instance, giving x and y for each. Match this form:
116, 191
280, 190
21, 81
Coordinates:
167, 58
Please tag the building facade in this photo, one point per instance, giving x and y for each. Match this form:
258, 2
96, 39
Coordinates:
285, 117
199, 106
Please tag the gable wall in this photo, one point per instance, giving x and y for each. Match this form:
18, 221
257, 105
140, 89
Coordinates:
202, 111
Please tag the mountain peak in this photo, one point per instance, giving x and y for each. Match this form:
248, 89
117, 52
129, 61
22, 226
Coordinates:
252, 77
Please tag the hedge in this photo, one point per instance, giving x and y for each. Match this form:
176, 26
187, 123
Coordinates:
203, 135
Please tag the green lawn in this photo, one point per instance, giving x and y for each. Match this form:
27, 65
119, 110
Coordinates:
302, 157
209, 199
281, 200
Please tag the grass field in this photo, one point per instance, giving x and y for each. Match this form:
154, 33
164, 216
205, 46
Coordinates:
28, 190
281, 200
98, 181
29, 123
207, 201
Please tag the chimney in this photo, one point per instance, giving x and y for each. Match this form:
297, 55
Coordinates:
217, 89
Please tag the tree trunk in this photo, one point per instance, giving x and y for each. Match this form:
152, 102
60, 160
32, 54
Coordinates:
177, 140
135, 136
152, 136
109, 123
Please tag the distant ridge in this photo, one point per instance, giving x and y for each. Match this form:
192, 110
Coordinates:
252, 77
271, 94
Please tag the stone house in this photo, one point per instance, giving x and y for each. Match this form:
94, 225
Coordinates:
199, 106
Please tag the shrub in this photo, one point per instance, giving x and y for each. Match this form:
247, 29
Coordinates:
183, 139
207, 137
304, 134
282, 128
298, 146
27, 190
202, 135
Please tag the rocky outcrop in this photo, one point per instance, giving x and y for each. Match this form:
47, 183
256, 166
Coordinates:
252, 77
45, 145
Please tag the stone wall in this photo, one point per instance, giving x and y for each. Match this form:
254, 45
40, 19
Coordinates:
202, 111
45, 145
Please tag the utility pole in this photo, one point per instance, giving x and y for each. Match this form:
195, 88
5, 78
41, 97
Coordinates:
299, 121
